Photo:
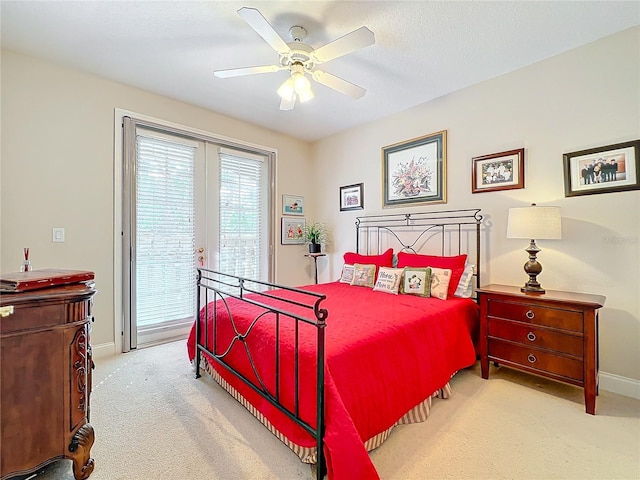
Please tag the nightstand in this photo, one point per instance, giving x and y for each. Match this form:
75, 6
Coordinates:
554, 335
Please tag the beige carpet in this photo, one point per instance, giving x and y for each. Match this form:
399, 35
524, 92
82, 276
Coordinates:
153, 420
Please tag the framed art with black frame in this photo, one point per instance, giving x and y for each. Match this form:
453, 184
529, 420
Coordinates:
613, 168
352, 197
415, 171
498, 171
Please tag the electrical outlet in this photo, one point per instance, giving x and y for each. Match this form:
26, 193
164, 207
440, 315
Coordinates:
57, 235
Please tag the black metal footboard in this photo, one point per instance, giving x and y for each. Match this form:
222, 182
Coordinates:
304, 307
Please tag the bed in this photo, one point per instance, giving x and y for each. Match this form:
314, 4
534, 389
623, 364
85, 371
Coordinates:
330, 369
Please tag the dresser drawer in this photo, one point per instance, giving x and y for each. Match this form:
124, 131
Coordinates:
537, 359
27, 317
533, 336
536, 314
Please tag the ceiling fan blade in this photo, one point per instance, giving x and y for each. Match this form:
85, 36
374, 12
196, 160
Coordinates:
288, 104
338, 84
360, 38
238, 72
255, 19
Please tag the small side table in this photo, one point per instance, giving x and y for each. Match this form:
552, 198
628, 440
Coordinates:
315, 262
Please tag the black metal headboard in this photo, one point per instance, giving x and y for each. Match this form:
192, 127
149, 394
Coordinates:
446, 232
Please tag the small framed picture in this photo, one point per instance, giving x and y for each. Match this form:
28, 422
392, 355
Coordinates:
498, 171
352, 197
613, 168
292, 205
293, 231
415, 171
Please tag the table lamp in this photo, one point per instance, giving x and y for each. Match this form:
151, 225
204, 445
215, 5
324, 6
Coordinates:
542, 223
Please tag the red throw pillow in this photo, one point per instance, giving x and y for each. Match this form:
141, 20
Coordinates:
383, 260
456, 264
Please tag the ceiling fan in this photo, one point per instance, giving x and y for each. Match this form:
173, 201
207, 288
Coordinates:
301, 59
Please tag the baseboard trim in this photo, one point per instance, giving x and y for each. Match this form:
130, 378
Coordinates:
628, 387
104, 350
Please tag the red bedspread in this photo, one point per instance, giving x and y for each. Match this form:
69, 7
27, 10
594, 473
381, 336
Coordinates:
384, 355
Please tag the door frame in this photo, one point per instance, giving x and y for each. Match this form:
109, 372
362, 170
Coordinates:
120, 290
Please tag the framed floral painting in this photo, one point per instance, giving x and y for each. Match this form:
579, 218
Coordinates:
414, 171
293, 231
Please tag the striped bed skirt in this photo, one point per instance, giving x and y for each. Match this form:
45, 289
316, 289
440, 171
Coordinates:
417, 414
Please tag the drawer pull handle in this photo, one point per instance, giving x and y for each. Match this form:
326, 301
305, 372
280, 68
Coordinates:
6, 311
532, 358
531, 337
529, 314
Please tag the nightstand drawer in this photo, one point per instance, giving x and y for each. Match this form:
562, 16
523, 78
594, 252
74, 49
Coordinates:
536, 314
536, 359
532, 336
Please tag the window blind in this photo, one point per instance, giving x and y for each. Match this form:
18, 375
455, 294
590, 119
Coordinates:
165, 231
243, 216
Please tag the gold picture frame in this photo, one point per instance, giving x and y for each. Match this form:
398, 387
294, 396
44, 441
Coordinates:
415, 171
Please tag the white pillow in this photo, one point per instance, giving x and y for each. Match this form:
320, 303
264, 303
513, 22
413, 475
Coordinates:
347, 273
388, 280
465, 286
440, 278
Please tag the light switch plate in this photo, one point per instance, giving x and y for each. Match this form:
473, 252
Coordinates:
57, 235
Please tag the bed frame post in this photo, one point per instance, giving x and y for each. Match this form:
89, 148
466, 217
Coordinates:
478, 220
197, 359
321, 466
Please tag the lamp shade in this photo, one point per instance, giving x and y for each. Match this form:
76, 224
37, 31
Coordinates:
535, 223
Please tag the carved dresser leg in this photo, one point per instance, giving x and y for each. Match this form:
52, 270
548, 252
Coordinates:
80, 451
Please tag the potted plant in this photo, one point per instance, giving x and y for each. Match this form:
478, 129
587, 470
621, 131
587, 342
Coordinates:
315, 234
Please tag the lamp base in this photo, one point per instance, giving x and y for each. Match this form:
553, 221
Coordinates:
528, 288
533, 269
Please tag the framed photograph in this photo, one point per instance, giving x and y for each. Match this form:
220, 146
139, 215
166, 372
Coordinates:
415, 171
292, 205
498, 171
613, 168
352, 197
293, 231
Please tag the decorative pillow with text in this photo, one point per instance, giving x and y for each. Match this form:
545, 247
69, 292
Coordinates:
389, 280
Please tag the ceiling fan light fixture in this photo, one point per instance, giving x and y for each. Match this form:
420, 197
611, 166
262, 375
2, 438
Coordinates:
302, 87
296, 86
305, 95
287, 90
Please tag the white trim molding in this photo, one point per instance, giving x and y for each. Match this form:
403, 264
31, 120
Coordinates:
628, 387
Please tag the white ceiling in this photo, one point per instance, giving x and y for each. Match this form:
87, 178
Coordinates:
423, 49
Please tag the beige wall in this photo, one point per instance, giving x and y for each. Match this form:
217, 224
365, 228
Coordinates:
584, 98
58, 168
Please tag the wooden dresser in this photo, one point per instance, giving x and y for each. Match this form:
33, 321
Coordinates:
554, 335
46, 379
